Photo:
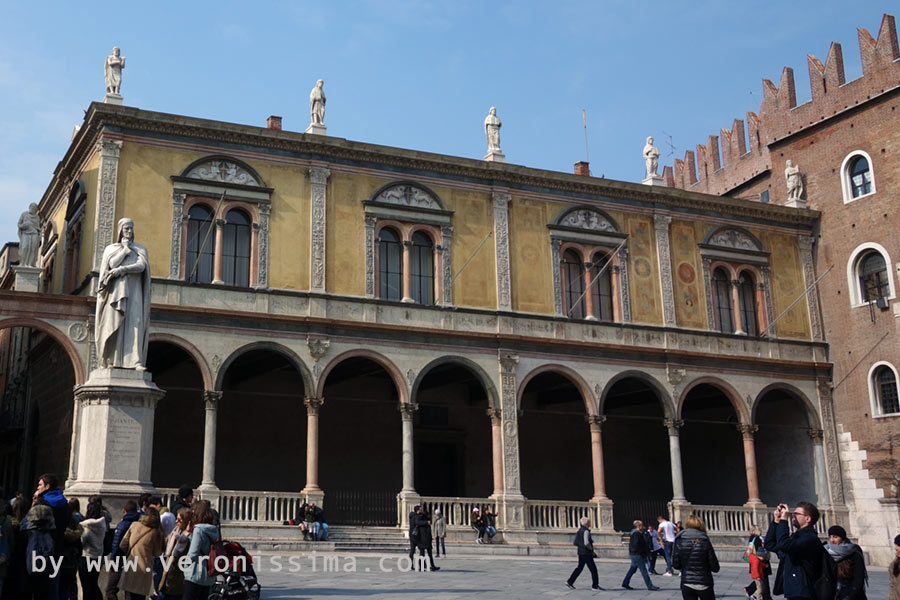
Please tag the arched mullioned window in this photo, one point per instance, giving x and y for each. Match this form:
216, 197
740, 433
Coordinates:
721, 285
857, 177
749, 313
885, 386
601, 286
390, 265
421, 269
201, 245
236, 249
573, 273
873, 277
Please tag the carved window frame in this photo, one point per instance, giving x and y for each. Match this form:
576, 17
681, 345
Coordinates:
409, 207
847, 184
745, 253
572, 231
244, 190
853, 279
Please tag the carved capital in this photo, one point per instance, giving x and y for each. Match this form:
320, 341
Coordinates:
496, 415
318, 175
673, 425
407, 243
508, 363
661, 222
805, 242
675, 376
817, 435
211, 399
313, 405
747, 431
220, 223
110, 148
407, 410
595, 421
317, 347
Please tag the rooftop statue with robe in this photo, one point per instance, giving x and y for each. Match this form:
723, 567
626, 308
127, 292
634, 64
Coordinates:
123, 302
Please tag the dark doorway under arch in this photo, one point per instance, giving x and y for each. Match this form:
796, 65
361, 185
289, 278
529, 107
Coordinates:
261, 431
453, 455
784, 450
554, 441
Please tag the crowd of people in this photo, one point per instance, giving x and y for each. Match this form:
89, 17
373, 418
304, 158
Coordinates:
49, 547
311, 521
807, 568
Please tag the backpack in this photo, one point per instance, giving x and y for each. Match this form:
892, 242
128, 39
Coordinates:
751, 550
825, 587
40, 543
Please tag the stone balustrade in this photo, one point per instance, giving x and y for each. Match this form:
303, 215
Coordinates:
247, 506
457, 511
557, 514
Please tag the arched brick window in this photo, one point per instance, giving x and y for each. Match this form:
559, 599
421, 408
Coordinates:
390, 265
201, 244
236, 249
883, 390
857, 176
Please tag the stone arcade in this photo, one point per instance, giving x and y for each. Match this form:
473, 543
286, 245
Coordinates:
329, 322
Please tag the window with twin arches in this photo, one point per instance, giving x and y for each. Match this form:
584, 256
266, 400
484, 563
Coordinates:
408, 245
736, 274
220, 224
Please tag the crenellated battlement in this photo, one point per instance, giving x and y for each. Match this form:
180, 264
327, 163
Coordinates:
744, 150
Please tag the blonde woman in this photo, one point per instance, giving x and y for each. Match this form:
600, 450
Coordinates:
171, 586
695, 557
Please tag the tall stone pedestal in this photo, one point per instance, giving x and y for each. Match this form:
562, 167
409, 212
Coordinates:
654, 180
28, 279
494, 156
316, 129
114, 444
113, 99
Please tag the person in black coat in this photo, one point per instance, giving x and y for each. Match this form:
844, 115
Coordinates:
695, 557
413, 533
850, 565
586, 556
799, 554
423, 538
638, 551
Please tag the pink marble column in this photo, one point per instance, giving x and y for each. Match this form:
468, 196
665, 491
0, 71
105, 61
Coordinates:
596, 422
211, 402
747, 432
497, 448
407, 287
217, 260
736, 302
312, 443
588, 294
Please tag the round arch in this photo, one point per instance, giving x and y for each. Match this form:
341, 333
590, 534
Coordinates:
665, 398
740, 407
292, 356
587, 394
811, 413
493, 396
58, 336
193, 352
392, 370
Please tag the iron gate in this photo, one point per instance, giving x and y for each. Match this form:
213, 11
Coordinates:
361, 507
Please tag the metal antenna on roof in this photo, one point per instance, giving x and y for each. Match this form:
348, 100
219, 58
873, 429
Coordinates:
670, 143
587, 154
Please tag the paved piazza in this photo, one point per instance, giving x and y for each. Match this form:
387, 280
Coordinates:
484, 576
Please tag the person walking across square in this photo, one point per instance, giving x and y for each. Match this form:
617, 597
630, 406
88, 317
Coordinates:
586, 556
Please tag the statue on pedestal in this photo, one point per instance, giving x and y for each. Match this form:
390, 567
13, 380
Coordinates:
29, 236
492, 126
793, 180
114, 65
123, 302
651, 158
317, 104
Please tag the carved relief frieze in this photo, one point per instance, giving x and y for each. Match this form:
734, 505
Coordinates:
732, 238
106, 197
501, 244
318, 179
510, 431
557, 285
590, 220
177, 225
262, 278
370, 256
663, 253
408, 195
446, 264
222, 171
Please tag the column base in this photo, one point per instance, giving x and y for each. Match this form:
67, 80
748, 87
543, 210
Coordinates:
114, 493
314, 494
208, 486
604, 514
754, 503
406, 500
511, 511
681, 509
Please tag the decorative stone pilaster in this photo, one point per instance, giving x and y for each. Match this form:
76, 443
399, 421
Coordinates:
211, 401
370, 256
178, 219
104, 221
496, 416
707, 284
512, 504
501, 245
809, 275
770, 307
663, 255
318, 180
822, 495
312, 491
262, 277
830, 453
446, 264
557, 285
116, 413
623, 282
747, 432
673, 426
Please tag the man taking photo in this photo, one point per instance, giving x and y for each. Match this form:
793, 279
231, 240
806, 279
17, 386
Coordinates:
800, 554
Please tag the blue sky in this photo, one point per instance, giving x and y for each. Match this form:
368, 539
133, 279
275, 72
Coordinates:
419, 75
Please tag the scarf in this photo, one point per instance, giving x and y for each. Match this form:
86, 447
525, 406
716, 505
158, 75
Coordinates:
841, 551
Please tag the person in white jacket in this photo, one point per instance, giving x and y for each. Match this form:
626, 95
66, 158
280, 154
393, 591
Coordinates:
94, 525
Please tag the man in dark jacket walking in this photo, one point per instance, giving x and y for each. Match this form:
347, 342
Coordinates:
48, 494
586, 555
638, 551
799, 554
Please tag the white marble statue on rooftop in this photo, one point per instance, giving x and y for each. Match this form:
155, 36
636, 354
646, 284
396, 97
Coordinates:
29, 236
114, 65
793, 180
317, 104
651, 158
123, 302
492, 126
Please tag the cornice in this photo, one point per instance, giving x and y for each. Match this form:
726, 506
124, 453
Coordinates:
104, 119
